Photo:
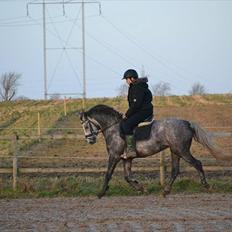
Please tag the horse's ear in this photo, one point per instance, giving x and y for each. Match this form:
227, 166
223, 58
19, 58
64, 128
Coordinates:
82, 114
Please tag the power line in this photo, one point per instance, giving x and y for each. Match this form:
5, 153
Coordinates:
52, 33
28, 23
93, 59
14, 18
102, 64
109, 47
135, 43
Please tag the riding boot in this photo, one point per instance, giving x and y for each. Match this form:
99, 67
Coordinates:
130, 149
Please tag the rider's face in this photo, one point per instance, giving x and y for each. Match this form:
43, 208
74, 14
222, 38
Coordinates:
129, 81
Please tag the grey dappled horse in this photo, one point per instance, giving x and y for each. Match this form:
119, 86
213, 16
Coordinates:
174, 134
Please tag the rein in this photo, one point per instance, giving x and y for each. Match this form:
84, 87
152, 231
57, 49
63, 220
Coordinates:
107, 127
96, 124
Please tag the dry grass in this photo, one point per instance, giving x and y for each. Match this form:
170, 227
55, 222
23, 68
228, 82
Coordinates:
211, 111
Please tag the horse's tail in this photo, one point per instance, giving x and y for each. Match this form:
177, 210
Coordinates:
204, 138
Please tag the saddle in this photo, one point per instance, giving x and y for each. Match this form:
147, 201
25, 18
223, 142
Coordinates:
143, 130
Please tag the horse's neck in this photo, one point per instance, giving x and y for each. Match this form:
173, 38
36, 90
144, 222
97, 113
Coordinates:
111, 132
105, 121
112, 135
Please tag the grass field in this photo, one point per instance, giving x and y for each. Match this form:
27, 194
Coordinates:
213, 112
72, 186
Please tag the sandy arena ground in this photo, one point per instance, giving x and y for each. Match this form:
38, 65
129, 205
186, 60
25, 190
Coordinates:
196, 212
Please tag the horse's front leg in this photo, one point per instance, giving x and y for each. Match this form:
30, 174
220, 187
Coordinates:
127, 175
113, 161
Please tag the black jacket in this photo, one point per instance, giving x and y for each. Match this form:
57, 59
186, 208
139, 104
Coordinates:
139, 97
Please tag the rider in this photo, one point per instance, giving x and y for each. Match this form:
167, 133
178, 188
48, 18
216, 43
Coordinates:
140, 108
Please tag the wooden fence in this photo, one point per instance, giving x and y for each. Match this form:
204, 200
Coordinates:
15, 170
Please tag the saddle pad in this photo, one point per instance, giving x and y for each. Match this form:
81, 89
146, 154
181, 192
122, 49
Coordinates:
145, 123
143, 132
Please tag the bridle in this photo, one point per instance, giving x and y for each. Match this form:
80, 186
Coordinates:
91, 123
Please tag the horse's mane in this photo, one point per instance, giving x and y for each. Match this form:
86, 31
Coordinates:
102, 110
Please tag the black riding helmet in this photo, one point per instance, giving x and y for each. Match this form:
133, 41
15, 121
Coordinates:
130, 73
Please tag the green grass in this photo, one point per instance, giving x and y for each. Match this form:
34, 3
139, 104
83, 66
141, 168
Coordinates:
71, 186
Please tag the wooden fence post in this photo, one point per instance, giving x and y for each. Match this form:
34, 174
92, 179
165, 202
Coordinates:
15, 161
83, 103
65, 107
162, 169
39, 128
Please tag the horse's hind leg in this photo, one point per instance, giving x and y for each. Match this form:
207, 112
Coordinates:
174, 173
187, 156
127, 175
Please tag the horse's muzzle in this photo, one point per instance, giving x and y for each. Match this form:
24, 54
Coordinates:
91, 139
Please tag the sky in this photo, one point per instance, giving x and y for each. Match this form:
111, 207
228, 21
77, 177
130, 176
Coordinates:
178, 42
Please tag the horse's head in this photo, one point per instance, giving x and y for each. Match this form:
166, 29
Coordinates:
90, 127
98, 119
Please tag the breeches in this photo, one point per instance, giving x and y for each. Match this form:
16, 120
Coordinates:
128, 125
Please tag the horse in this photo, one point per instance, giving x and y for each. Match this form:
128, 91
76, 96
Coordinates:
172, 133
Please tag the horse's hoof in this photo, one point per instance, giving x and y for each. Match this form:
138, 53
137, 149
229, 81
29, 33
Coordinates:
103, 192
163, 194
207, 186
167, 190
141, 190
145, 191
100, 195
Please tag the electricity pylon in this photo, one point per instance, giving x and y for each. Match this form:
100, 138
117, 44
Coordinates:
44, 3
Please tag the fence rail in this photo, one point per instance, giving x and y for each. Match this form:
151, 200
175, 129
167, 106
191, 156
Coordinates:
15, 170
78, 136
31, 137
102, 170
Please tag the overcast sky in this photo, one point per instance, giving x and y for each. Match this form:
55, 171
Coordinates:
179, 42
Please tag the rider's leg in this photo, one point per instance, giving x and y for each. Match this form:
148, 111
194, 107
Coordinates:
128, 125
131, 148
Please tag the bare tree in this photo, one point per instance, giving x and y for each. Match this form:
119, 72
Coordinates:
8, 85
161, 89
123, 90
197, 89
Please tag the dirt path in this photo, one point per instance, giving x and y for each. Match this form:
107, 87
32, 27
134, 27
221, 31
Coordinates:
200, 213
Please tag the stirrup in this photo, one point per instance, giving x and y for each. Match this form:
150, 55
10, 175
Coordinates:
126, 156
123, 156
